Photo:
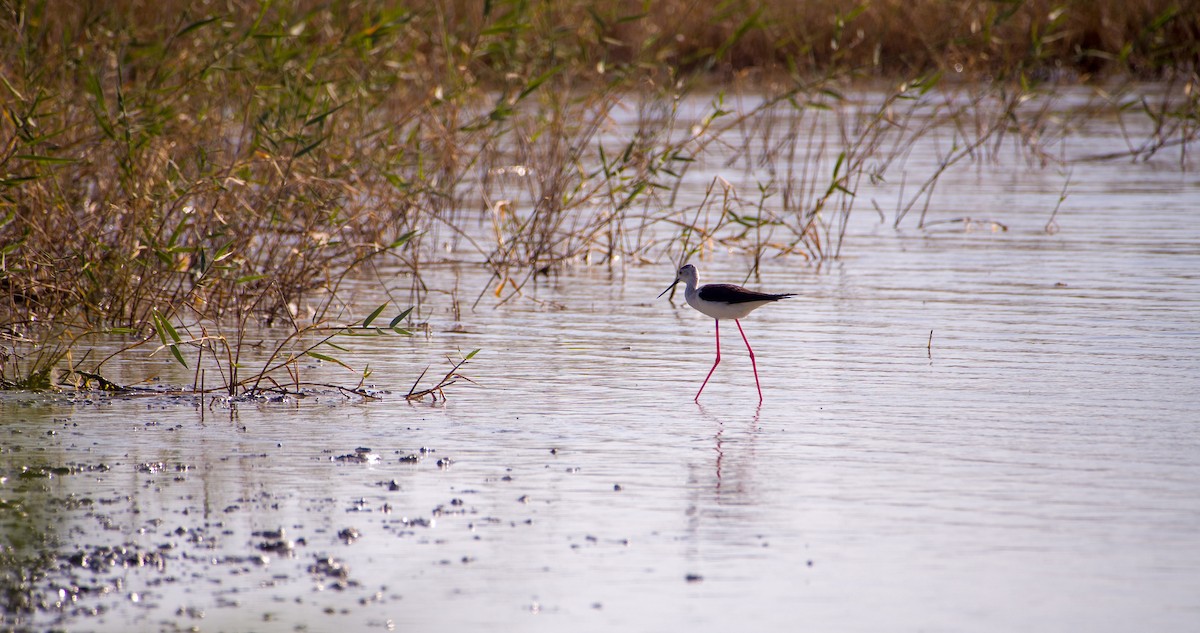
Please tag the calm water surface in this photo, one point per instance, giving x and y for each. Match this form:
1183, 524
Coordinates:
1034, 465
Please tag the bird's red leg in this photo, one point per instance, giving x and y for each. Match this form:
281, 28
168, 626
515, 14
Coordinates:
752, 363
715, 363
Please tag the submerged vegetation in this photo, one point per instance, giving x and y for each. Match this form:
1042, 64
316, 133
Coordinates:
181, 174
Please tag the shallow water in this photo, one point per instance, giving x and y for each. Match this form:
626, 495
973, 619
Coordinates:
1031, 465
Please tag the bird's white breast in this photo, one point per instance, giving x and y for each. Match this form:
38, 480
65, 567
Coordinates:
718, 310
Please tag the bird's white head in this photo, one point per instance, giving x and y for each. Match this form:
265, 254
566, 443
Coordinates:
687, 274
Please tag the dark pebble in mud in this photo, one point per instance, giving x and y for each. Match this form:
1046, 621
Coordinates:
361, 455
282, 547
333, 569
694, 577
617, 487
105, 558
45, 472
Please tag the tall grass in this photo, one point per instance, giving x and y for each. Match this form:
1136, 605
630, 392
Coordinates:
182, 174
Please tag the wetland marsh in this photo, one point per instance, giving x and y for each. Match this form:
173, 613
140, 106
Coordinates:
980, 411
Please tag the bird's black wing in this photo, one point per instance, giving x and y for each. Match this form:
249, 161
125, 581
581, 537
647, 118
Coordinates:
729, 293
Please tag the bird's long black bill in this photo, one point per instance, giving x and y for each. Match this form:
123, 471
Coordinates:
667, 290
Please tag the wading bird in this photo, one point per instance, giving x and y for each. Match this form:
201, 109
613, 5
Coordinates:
723, 301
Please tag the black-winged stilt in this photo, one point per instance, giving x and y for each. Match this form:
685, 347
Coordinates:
723, 301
